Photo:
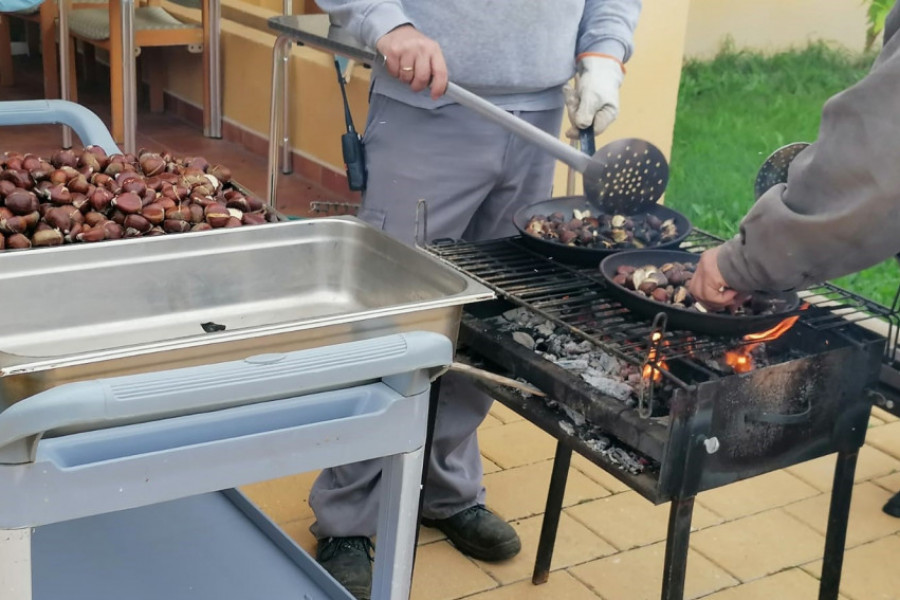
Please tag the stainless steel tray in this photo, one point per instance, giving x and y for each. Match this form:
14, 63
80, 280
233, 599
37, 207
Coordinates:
71, 313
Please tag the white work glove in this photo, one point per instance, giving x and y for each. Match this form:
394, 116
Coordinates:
595, 98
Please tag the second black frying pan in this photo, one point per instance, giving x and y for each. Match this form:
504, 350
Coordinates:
582, 255
680, 318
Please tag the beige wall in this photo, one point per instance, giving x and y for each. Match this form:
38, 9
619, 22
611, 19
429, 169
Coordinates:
650, 91
772, 25
648, 97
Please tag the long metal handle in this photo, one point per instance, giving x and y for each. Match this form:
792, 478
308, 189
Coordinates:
557, 148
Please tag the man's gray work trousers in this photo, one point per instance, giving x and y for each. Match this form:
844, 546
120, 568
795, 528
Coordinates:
473, 176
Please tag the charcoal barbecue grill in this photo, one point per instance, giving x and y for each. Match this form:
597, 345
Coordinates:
142, 380
702, 425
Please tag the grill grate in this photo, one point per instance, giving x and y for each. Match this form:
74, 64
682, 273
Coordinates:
576, 298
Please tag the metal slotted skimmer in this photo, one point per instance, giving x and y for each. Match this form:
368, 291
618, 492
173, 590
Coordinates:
775, 169
631, 174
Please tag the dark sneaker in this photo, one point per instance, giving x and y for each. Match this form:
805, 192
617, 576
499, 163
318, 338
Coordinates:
893, 506
349, 560
478, 532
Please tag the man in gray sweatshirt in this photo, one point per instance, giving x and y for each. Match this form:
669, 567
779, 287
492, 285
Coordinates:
839, 211
473, 175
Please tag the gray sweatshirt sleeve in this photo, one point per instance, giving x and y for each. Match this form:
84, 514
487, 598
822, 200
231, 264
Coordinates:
607, 26
840, 209
367, 20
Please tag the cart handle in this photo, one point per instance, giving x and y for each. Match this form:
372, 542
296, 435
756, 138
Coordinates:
87, 125
405, 362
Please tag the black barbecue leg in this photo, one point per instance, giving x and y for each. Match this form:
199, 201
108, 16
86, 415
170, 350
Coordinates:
433, 396
836, 534
551, 513
681, 512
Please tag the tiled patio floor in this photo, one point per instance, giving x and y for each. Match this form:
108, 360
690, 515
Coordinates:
761, 539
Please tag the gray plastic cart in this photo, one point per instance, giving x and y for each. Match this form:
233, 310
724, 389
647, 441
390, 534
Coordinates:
133, 511
117, 464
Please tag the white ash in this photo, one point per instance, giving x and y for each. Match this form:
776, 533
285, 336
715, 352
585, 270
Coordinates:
575, 424
524, 339
610, 387
567, 427
606, 373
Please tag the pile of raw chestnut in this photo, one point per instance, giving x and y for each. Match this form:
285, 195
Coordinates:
86, 196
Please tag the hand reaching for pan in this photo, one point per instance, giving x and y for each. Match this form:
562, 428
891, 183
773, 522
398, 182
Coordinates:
707, 285
414, 58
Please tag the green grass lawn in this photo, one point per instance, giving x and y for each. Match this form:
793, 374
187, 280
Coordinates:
733, 112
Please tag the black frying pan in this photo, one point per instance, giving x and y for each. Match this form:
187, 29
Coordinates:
580, 255
679, 318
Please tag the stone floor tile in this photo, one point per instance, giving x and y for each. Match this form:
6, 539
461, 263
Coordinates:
884, 415
890, 482
886, 438
760, 545
489, 422
429, 535
299, 532
872, 463
867, 521
792, 584
756, 494
489, 466
627, 520
575, 544
637, 575
516, 444
561, 586
599, 475
284, 499
869, 572
442, 573
875, 421
522, 492
504, 413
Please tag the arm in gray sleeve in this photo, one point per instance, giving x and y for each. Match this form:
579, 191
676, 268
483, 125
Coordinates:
367, 20
840, 209
607, 26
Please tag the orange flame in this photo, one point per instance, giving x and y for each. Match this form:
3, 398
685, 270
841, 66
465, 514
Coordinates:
652, 368
740, 360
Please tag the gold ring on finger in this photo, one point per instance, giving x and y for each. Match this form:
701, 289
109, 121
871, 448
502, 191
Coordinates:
407, 69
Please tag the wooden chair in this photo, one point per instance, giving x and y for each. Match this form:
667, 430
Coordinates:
153, 27
45, 18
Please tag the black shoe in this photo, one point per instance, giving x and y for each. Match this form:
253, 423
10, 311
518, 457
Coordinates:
478, 532
349, 560
893, 506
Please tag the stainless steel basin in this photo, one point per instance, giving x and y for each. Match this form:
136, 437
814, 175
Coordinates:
76, 312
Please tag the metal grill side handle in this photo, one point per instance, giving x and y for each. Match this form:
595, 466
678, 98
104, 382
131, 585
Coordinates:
404, 362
